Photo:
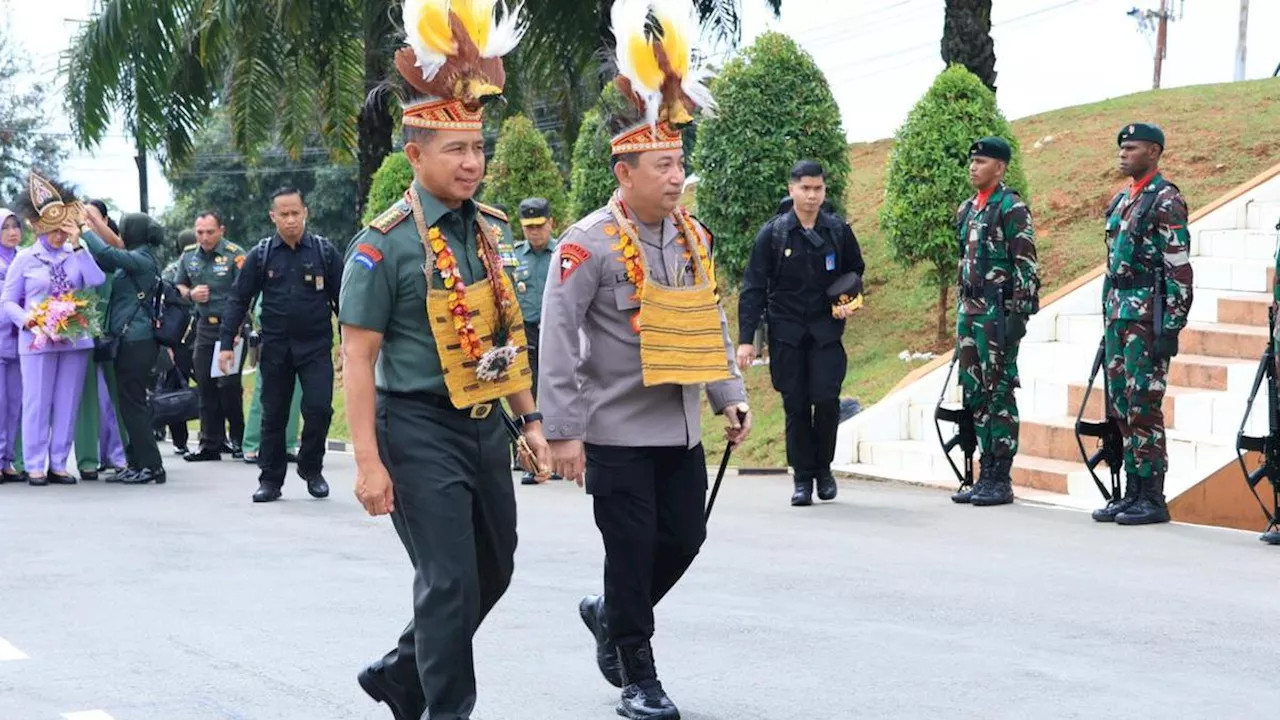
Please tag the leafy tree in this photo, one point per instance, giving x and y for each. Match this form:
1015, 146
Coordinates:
389, 184
927, 176
966, 39
591, 180
521, 168
23, 145
218, 178
775, 108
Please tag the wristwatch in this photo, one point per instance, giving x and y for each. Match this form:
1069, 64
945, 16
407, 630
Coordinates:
526, 419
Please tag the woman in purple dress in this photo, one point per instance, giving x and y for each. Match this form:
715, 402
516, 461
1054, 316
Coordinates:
52, 373
10, 372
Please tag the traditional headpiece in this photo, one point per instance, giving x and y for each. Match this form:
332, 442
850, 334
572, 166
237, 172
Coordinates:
454, 60
47, 205
656, 73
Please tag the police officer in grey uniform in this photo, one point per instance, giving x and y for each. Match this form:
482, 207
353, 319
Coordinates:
529, 276
627, 413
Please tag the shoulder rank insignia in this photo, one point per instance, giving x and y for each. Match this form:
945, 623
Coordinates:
192, 246
492, 211
391, 217
235, 249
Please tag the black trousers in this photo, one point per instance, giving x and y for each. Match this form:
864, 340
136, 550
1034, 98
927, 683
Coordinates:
649, 504
279, 368
455, 513
532, 333
221, 399
135, 375
809, 377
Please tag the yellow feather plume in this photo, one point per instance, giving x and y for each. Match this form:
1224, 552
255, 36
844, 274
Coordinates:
644, 63
433, 27
477, 18
674, 42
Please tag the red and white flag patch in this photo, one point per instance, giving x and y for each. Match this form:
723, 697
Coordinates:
572, 256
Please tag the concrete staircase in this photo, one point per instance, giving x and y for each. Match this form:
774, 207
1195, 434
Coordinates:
1233, 250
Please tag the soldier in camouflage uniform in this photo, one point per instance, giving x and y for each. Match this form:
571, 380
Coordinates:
999, 289
1146, 298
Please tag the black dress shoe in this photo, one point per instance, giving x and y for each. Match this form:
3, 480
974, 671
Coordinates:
37, 481
180, 450
529, 479
61, 479
827, 487
404, 705
88, 474
289, 458
591, 609
146, 475
10, 477
266, 493
317, 486
203, 456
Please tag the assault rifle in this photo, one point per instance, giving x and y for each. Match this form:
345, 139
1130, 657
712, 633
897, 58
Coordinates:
1111, 450
1268, 446
966, 437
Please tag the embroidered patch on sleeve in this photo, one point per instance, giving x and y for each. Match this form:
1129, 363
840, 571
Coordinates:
572, 256
367, 255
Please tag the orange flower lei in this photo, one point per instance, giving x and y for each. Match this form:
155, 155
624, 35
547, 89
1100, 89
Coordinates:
630, 252
451, 275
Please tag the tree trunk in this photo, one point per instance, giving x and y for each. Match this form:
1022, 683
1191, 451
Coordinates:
376, 127
966, 39
943, 291
141, 160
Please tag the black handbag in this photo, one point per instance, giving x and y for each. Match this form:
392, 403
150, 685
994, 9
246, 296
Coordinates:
175, 406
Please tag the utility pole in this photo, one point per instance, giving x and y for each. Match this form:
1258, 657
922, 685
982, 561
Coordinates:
1244, 36
1157, 21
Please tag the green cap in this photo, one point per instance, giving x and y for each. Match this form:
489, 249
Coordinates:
1141, 131
992, 147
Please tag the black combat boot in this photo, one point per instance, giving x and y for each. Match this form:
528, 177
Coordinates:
642, 695
984, 475
591, 610
827, 487
999, 488
804, 491
1150, 508
1132, 489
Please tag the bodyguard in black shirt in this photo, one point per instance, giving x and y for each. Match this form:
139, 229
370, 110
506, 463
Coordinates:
298, 275
798, 255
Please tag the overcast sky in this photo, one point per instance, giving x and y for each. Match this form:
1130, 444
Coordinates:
880, 56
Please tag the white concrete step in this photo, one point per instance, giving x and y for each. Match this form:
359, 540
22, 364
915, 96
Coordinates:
1208, 303
1215, 273
1235, 244
1262, 216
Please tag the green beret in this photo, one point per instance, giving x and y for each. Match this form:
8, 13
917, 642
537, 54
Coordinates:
1141, 131
992, 147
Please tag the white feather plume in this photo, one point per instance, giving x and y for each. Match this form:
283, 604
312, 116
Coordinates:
628, 18
695, 86
506, 34
429, 58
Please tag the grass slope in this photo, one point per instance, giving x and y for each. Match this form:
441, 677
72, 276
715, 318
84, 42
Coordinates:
1219, 136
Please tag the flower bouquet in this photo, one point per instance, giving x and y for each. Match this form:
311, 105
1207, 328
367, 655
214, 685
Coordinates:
68, 317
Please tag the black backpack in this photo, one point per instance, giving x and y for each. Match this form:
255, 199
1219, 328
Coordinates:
264, 253
172, 314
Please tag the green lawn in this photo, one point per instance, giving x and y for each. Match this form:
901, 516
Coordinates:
1219, 136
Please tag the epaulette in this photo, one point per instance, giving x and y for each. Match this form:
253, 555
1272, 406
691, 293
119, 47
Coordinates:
192, 246
492, 211
235, 248
391, 217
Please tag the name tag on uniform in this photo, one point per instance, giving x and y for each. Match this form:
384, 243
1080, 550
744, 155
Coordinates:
319, 282
308, 279
831, 261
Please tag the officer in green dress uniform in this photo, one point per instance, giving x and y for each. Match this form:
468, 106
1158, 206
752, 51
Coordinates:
433, 340
207, 272
533, 258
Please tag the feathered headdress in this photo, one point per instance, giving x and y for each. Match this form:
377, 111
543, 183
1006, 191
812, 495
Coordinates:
656, 73
454, 59
47, 204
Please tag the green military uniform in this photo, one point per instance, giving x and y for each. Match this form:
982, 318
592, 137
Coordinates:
454, 500
999, 288
528, 270
1147, 296
221, 399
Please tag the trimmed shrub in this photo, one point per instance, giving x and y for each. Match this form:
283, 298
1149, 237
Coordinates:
775, 108
591, 179
927, 177
393, 177
522, 167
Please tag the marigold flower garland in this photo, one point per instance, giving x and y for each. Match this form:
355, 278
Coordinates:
490, 368
632, 259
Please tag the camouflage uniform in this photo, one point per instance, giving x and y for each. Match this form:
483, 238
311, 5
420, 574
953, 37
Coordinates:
1145, 254
989, 367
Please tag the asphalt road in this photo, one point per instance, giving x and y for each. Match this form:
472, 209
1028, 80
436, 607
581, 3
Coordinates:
188, 602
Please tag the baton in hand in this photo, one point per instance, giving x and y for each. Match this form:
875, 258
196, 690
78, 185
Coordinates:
724, 463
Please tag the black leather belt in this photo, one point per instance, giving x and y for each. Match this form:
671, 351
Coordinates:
1132, 282
980, 292
442, 402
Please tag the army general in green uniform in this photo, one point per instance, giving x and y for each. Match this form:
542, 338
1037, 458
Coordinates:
433, 340
206, 274
529, 276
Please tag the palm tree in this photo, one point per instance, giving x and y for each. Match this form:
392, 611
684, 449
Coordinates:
286, 68
966, 39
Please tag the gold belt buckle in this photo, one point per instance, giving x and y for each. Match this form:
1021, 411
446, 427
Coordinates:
480, 412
